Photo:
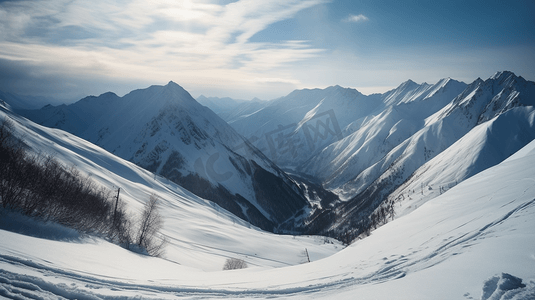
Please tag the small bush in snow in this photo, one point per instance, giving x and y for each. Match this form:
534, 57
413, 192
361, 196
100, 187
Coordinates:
150, 223
234, 263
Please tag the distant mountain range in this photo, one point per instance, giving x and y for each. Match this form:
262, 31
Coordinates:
351, 157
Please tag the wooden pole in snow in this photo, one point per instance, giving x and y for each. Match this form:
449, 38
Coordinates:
116, 204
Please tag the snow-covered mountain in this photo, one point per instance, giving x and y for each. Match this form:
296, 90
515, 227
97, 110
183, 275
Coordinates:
365, 147
292, 129
164, 130
402, 114
477, 129
474, 241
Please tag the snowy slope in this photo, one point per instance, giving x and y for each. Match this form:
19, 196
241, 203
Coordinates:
455, 246
485, 146
164, 130
202, 235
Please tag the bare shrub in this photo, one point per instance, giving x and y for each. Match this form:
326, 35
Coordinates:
150, 223
234, 264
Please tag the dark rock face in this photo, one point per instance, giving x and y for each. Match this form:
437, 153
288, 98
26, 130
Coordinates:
278, 197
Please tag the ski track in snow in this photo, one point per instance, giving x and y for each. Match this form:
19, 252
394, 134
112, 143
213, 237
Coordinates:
85, 286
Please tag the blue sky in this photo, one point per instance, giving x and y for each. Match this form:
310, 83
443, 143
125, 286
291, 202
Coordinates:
254, 48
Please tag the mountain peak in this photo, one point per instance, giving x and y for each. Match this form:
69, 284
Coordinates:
506, 78
340, 89
171, 85
501, 75
445, 80
409, 84
109, 95
409, 81
448, 81
174, 86
175, 91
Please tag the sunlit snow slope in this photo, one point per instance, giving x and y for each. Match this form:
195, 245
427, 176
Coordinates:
455, 246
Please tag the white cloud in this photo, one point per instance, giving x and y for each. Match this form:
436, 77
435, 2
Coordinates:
155, 41
356, 18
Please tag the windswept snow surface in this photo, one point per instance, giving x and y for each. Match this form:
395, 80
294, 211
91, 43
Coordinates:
460, 245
